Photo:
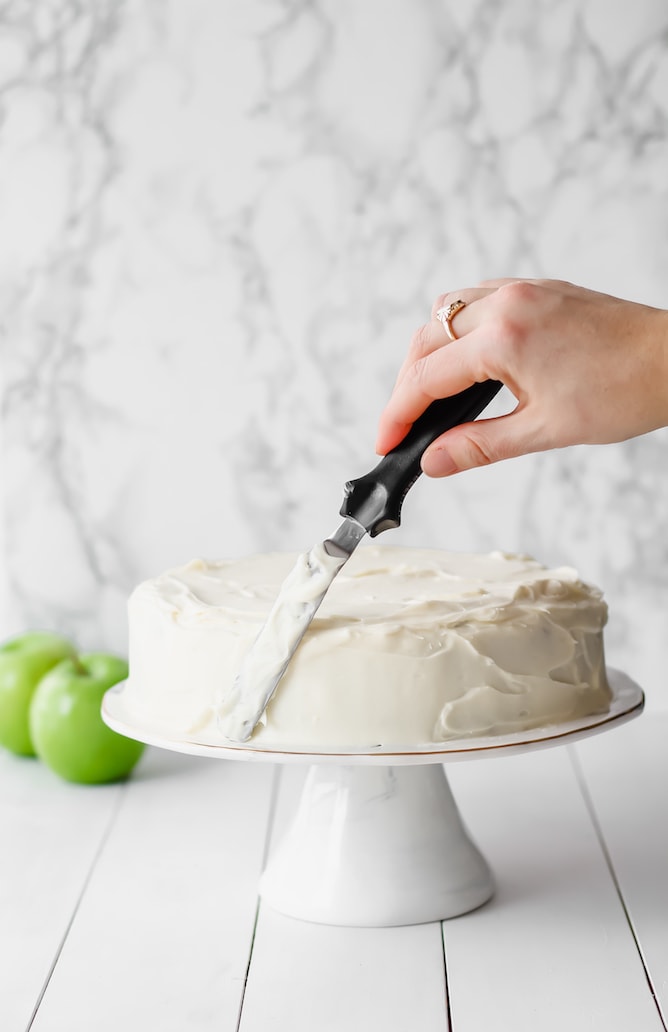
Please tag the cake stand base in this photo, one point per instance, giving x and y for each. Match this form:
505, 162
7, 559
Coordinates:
377, 839
376, 846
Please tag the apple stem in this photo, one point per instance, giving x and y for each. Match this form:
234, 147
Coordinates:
78, 665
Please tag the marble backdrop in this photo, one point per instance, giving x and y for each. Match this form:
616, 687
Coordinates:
220, 220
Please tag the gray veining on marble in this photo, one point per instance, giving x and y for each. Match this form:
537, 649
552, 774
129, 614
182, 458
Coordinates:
219, 224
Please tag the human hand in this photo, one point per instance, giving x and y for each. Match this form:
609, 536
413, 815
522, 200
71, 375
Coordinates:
585, 368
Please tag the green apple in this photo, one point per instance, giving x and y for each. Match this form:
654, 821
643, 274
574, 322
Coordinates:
66, 723
24, 661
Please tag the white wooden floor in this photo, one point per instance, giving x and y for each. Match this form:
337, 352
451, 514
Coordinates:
135, 906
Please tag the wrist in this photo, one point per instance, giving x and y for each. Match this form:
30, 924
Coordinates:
659, 365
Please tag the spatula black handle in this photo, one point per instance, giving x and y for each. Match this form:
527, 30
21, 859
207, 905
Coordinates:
375, 499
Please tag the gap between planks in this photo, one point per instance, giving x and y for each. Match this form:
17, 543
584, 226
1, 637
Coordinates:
104, 838
591, 809
273, 805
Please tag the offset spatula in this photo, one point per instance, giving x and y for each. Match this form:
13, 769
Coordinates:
371, 504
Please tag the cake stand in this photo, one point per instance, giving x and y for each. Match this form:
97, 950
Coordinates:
377, 839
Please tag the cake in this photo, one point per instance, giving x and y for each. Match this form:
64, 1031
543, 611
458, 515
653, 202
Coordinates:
410, 647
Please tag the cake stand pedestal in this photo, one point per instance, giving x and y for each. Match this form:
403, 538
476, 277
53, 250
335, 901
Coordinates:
381, 845
377, 839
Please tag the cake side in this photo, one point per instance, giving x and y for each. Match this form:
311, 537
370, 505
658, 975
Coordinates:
410, 646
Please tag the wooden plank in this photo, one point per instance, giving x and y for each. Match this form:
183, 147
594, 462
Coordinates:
553, 949
307, 976
50, 834
626, 778
163, 933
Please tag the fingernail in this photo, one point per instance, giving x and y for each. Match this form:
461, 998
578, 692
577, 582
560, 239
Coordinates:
437, 462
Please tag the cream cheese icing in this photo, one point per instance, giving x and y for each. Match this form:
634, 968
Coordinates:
301, 593
410, 646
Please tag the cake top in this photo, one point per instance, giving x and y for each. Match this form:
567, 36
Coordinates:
379, 584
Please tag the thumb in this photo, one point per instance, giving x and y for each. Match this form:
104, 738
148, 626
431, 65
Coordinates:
481, 443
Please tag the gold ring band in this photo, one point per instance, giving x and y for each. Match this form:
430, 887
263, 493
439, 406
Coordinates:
446, 314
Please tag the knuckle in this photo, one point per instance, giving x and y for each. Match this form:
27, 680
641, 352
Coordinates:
420, 341
507, 331
476, 451
519, 293
562, 283
513, 303
417, 376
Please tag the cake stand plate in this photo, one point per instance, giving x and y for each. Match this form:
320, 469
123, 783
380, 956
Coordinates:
377, 839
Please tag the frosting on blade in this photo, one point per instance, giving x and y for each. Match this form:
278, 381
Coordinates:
299, 598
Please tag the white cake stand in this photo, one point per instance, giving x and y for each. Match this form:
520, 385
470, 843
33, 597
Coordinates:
377, 839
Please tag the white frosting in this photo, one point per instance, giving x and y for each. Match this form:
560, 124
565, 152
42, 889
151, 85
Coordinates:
298, 601
410, 646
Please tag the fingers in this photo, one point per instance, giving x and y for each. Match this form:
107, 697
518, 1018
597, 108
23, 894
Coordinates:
465, 319
436, 367
468, 295
413, 391
432, 335
483, 442
440, 372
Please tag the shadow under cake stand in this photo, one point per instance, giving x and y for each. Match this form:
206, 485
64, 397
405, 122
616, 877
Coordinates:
377, 839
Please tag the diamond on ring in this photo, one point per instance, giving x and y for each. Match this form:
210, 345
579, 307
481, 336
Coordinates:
446, 314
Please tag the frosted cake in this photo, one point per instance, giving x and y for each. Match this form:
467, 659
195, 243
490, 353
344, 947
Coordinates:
410, 646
